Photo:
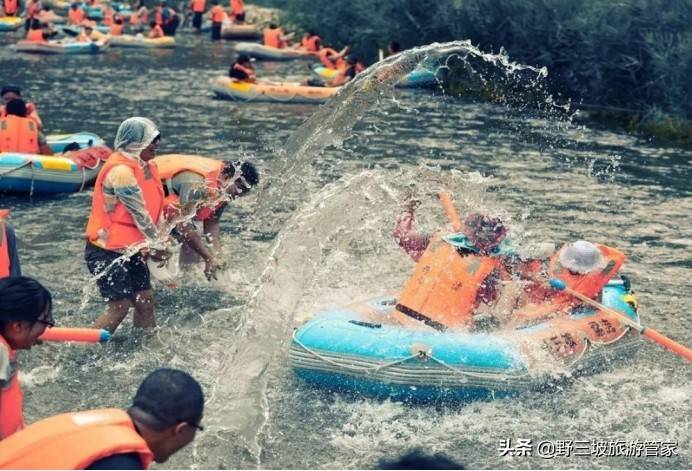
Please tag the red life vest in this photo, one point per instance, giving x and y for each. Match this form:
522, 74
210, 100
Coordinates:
442, 292
198, 6
11, 7
118, 228
237, 7
324, 54
11, 399
75, 16
32, 9
4, 245
171, 165
313, 43
117, 29
74, 441
217, 14
18, 134
35, 35
272, 38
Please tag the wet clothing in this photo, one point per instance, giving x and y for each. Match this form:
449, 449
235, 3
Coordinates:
191, 188
197, 20
8, 251
240, 72
124, 279
121, 461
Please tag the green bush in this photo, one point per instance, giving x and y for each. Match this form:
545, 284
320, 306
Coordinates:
631, 54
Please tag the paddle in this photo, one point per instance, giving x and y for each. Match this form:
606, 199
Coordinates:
451, 211
651, 334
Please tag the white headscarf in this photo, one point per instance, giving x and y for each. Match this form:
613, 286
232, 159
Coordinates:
134, 135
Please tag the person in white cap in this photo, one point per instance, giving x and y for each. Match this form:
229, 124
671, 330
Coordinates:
584, 267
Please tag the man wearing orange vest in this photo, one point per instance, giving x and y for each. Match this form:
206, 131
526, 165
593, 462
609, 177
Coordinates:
125, 225
76, 15
275, 37
10, 7
238, 11
197, 7
25, 312
455, 274
165, 415
203, 186
311, 42
19, 133
217, 18
9, 258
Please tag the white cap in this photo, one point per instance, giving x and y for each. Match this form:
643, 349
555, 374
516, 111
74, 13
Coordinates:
582, 257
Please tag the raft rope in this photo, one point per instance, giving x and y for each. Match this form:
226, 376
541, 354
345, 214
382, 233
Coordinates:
420, 354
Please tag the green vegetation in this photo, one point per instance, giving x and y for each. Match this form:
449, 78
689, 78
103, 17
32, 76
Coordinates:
633, 55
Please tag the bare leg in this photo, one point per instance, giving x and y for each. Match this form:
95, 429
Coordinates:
116, 311
144, 309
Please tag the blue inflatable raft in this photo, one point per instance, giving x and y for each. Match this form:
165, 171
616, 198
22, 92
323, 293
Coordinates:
43, 174
361, 349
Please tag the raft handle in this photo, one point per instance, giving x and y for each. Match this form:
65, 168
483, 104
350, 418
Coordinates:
366, 324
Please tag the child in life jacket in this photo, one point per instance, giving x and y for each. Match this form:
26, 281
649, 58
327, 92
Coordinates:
25, 312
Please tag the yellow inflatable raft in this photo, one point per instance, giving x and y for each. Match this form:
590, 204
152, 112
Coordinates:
225, 87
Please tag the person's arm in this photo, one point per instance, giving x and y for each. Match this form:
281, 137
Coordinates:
121, 185
15, 265
212, 229
119, 461
414, 243
43, 147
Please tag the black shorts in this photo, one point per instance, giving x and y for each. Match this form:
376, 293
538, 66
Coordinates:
124, 278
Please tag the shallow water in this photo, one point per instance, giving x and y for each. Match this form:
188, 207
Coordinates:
318, 235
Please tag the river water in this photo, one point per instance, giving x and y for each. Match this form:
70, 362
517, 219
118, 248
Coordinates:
318, 235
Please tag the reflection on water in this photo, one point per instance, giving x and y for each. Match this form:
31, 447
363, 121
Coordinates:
323, 238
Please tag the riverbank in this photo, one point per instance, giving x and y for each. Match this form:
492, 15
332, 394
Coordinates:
634, 55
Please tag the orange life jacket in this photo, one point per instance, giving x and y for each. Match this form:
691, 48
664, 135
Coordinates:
18, 134
11, 7
313, 43
324, 54
11, 399
75, 17
35, 36
247, 70
272, 38
198, 6
32, 9
442, 292
118, 228
171, 165
117, 29
31, 113
4, 246
590, 284
74, 441
156, 32
135, 18
108, 14
237, 7
217, 14
158, 15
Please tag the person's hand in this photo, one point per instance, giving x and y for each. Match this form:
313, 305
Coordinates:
211, 267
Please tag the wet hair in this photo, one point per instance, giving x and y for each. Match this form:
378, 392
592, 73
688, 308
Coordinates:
167, 397
418, 460
16, 107
247, 171
394, 46
10, 89
23, 299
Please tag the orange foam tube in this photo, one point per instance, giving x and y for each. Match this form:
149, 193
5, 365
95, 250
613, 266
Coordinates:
75, 334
